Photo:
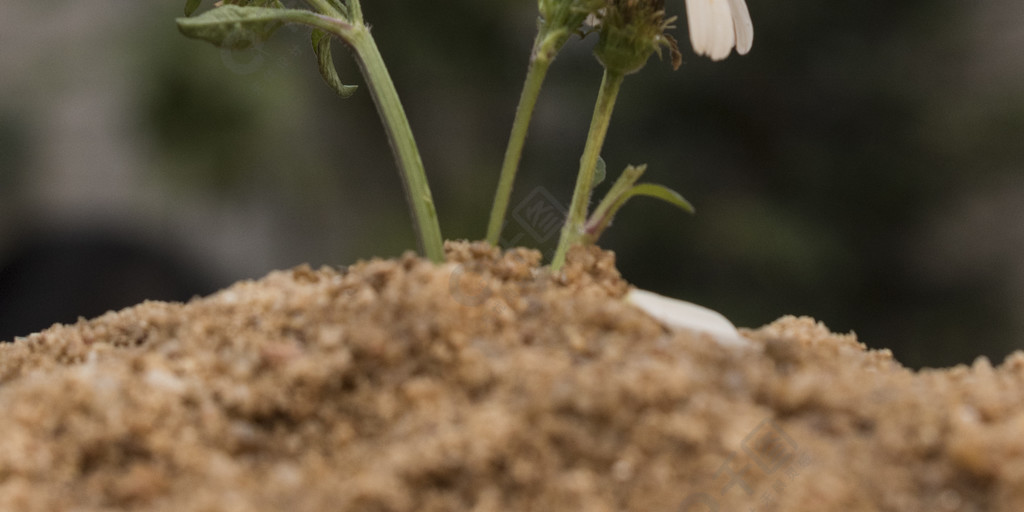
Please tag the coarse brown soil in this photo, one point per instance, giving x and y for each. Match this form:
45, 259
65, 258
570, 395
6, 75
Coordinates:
486, 384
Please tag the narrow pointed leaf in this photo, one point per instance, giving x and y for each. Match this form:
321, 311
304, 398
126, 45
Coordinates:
613, 199
660, 192
622, 191
235, 27
191, 6
322, 48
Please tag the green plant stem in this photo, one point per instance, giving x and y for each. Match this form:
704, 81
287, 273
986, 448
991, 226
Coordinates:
355, 11
573, 230
389, 107
324, 7
403, 145
540, 62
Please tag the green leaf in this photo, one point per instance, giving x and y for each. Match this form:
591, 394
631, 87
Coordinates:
660, 192
255, 3
613, 199
191, 6
235, 27
322, 48
620, 193
600, 172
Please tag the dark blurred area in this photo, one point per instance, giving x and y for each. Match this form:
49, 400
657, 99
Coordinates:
62, 277
862, 166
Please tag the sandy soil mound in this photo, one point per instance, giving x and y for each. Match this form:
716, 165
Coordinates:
486, 384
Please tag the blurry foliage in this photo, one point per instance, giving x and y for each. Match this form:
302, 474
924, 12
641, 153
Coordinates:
202, 123
814, 163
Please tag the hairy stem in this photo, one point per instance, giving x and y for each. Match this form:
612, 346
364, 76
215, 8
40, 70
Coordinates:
540, 62
573, 230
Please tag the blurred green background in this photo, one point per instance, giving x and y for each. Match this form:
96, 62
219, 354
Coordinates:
863, 165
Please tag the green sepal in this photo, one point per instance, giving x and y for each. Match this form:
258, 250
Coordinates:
235, 27
630, 32
191, 6
322, 47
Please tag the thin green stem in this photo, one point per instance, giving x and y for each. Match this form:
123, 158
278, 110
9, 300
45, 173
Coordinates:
540, 62
389, 107
403, 145
573, 230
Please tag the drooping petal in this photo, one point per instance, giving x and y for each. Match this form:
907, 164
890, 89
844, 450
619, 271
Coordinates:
679, 314
744, 27
712, 32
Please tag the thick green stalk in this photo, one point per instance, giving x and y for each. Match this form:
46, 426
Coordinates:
573, 230
403, 145
540, 62
355, 11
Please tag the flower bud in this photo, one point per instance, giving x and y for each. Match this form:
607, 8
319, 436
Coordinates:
630, 31
567, 14
559, 19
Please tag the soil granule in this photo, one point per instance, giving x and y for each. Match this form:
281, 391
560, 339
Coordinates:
486, 384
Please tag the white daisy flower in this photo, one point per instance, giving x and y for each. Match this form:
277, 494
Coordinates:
716, 26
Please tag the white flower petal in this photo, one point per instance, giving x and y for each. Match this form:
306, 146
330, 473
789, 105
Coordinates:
679, 314
712, 32
743, 26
